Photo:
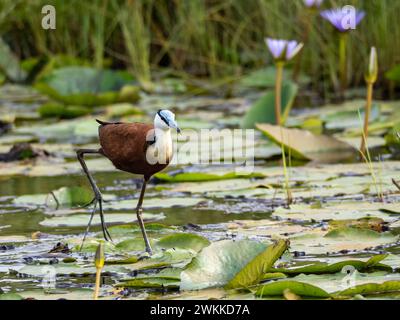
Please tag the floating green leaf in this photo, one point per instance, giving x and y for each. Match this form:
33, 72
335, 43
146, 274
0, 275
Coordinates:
129, 260
63, 197
10, 296
55, 110
81, 220
372, 288
204, 176
218, 263
253, 272
323, 268
184, 241
87, 86
135, 244
148, 282
300, 288
129, 230
302, 144
9, 63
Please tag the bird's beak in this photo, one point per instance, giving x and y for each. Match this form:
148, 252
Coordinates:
174, 125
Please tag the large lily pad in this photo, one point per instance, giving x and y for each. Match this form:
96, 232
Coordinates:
303, 144
88, 86
253, 272
218, 263
80, 220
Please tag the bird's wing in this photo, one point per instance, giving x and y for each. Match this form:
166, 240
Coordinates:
125, 142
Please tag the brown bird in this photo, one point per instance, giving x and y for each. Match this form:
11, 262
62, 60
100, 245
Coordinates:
137, 148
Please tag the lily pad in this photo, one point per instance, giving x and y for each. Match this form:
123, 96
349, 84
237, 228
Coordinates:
55, 110
10, 64
300, 288
63, 197
302, 144
153, 282
128, 230
135, 244
218, 263
150, 203
372, 288
253, 272
184, 241
323, 268
346, 239
10, 296
81, 220
177, 258
204, 176
87, 86
122, 109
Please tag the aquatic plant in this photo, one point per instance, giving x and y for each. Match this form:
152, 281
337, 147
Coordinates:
343, 20
282, 52
371, 76
99, 264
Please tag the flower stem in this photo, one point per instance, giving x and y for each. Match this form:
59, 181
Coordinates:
97, 285
278, 92
370, 87
343, 62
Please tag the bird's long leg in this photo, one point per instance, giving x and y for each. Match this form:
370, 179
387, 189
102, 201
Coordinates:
139, 211
97, 195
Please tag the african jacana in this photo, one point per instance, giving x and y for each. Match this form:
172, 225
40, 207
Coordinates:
137, 148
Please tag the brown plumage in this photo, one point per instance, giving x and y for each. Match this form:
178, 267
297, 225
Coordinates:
126, 145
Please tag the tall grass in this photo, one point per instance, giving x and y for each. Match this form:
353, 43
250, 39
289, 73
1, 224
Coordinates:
216, 38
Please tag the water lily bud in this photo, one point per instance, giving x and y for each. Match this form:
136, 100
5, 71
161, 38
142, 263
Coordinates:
99, 257
372, 72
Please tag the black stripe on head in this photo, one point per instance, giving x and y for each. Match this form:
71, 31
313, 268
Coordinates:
162, 117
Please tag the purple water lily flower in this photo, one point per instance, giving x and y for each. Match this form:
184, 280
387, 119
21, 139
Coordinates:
283, 50
313, 3
343, 19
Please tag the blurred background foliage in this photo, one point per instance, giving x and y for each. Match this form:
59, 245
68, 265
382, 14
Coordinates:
218, 39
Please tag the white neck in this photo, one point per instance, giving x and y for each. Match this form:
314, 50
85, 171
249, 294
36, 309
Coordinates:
161, 150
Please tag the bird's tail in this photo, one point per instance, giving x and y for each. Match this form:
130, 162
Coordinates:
103, 123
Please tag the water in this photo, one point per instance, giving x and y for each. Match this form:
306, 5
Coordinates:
229, 217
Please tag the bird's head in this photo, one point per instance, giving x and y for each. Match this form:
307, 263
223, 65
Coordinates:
165, 119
